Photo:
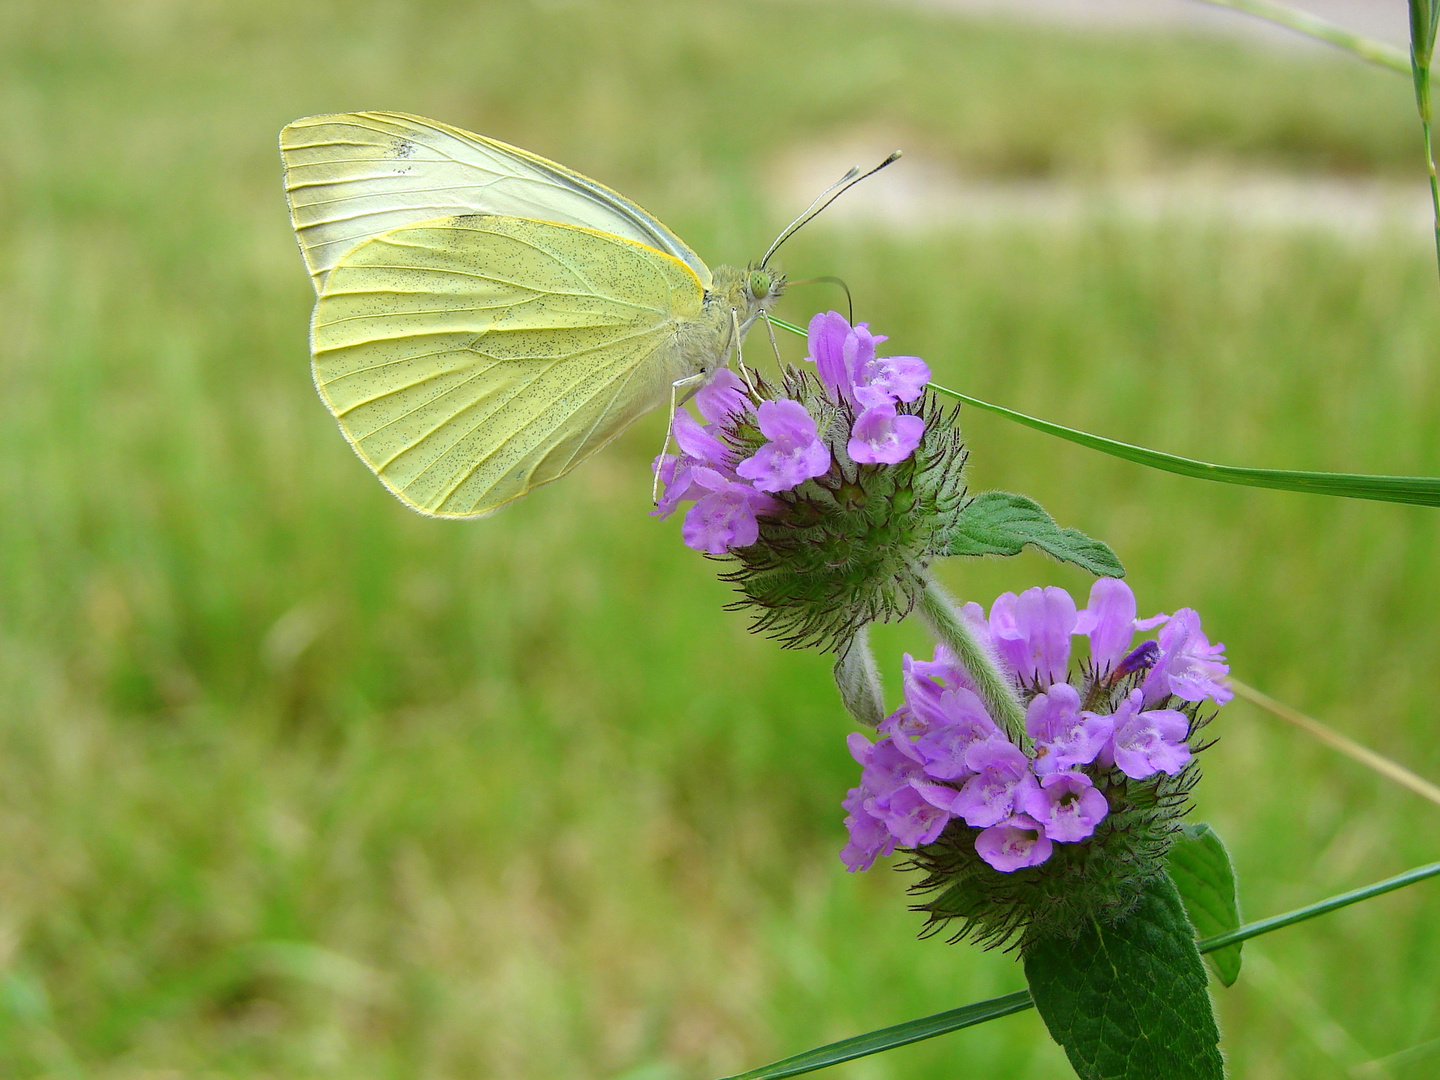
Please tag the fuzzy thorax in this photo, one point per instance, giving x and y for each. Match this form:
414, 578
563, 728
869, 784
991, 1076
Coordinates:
736, 297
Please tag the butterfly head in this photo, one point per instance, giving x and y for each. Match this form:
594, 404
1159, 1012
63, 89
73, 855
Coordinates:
764, 286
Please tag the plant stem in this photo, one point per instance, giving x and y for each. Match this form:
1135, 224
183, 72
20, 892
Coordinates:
943, 618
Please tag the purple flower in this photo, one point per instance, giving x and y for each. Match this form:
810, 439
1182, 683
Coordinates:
826, 335
723, 397
944, 671
895, 792
909, 814
1145, 743
903, 725
1015, 843
849, 369
793, 455
1064, 735
924, 683
1001, 780
963, 723
677, 474
1031, 633
869, 839
1109, 622
883, 436
1189, 666
699, 448
724, 517
890, 378
700, 444
885, 767
1067, 805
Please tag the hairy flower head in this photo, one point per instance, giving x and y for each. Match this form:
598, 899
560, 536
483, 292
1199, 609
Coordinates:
1018, 842
859, 474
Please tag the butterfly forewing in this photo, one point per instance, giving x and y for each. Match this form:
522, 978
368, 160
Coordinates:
353, 176
471, 359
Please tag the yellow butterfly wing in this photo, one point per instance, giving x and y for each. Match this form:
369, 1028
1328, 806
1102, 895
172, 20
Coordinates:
353, 176
473, 358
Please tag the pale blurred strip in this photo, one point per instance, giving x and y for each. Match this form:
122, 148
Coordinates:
1381, 764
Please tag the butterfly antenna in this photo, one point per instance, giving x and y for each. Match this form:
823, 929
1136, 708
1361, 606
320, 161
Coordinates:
829, 280
852, 177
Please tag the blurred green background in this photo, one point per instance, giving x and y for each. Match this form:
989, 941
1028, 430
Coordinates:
296, 783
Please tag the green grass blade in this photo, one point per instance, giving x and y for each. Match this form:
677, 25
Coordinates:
927, 1027
787, 325
1377, 52
1323, 907
1420, 490
888, 1038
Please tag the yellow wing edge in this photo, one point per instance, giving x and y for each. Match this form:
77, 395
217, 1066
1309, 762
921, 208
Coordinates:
594, 186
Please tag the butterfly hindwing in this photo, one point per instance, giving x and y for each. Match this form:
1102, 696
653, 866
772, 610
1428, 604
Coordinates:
353, 176
473, 358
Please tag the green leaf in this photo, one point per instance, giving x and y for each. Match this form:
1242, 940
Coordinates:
1420, 490
999, 523
1128, 1001
1201, 869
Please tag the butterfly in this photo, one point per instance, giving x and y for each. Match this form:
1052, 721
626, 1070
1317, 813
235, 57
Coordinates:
487, 319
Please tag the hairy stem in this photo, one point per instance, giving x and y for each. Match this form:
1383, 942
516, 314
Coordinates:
943, 618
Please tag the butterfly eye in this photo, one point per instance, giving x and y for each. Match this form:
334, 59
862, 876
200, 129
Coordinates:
759, 284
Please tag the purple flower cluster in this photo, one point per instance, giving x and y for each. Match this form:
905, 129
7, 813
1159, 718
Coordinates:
729, 491
871, 385
942, 757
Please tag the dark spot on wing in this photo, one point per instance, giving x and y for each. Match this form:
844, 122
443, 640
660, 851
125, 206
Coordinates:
461, 221
402, 148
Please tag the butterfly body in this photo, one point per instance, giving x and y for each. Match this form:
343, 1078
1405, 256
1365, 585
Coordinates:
486, 319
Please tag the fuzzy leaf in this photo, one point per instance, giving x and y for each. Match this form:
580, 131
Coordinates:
1201, 869
1128, 1001
999, 523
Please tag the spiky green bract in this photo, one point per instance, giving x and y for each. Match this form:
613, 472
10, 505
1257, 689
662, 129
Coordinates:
850, 547
1101, 878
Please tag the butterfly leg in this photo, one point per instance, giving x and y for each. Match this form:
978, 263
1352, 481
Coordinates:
689, 384
739, 355
770, 329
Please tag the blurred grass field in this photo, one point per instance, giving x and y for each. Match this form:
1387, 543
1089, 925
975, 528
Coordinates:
296, 783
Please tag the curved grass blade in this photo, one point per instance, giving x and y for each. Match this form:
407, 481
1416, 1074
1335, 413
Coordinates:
1417, 490
873, 1042
1377, 52
927, 1027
